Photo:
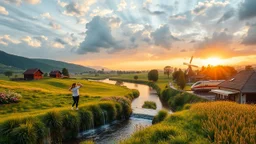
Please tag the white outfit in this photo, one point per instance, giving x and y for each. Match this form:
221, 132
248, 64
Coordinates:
75, 91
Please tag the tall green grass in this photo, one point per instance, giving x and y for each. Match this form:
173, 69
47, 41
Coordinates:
149, 105
177, 100
161, 115
60, 125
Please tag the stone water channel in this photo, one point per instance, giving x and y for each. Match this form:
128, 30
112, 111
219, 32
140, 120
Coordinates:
119, 130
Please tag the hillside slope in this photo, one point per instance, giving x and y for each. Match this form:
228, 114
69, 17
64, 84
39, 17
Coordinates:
22, 62
19, 64
74, 68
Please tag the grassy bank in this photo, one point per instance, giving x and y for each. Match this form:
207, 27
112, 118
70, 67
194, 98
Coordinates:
41, 96
178, 100
63, 124
211, 122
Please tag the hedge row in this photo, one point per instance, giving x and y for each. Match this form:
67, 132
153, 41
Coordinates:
179, 100
57, 126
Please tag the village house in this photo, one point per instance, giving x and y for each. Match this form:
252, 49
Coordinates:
33, 74
241, 88
55, 74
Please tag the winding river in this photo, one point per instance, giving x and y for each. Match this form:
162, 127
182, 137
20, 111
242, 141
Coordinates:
114, 132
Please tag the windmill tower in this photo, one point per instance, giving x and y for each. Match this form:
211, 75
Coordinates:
189, 72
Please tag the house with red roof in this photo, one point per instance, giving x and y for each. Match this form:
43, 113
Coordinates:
241, 88
33, 74
55, 74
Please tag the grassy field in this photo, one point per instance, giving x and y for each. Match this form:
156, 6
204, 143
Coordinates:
39, 96
203, 123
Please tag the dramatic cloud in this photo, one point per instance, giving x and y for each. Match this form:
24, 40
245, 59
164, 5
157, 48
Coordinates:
153, 12
163, 37
62, 4
203, 6
247, 9
3, 11
100, 12
227, 15
46, 15
54, 25
98, 35
122, 5
32, 41
18, 2
4, 40
250, 39
78, 8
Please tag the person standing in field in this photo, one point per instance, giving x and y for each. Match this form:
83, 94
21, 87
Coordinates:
75, 94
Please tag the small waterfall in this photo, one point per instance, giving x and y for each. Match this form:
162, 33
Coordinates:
104, 116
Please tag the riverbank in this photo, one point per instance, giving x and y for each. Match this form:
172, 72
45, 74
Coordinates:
174, 99
43, 114
210, 122
60, 125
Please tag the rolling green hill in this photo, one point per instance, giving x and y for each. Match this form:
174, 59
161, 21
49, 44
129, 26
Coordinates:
71, 67
19, 64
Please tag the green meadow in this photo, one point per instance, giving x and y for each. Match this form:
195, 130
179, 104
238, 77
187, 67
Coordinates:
40, 96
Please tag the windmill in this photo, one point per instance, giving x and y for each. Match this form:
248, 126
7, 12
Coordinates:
189, 71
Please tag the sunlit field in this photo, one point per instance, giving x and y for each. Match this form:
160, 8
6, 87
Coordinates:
212, 122
41, 95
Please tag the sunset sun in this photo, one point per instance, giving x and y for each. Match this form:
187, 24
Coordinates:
213, 61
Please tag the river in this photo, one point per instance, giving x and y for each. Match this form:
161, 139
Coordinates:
114, 132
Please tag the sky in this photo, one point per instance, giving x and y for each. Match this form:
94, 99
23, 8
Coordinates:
131, 34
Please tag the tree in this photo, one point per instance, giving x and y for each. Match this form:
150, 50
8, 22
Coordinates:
167, 70
8, 73
153, 75
65, 72
45, 74
181, 81
135, 77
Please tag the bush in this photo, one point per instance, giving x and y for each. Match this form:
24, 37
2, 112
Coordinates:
111, 111
161, 115
24, 134
149, 105
136, 77
53, 121
135, 93
126, 105
9, 97
153, 75
70, 123
86, 119
168, 93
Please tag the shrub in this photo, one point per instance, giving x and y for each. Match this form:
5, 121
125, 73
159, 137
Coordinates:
24, 134
161, 115
153, 75
111, 111
53, 121
86, 119
168, 93
135, 93
136, 77
9, 97
126, 105
149, 105
70, 123
98, 115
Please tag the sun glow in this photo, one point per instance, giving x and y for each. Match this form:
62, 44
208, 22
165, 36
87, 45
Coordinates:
213, 61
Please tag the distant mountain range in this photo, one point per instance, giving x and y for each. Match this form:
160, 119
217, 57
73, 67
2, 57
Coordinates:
19, 64
100, 68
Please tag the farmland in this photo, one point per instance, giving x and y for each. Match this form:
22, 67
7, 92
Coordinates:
43, 95
211, 122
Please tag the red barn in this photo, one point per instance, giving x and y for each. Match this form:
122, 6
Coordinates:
33, 74
55, 74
